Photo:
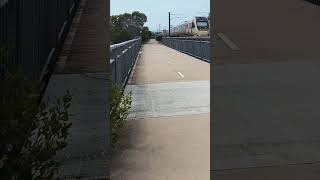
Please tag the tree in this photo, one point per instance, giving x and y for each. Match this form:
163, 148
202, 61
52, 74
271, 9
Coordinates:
146, 34
139, 18
127, 26
119, 35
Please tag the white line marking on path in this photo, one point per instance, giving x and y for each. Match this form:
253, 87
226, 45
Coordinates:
228, 41
181, 74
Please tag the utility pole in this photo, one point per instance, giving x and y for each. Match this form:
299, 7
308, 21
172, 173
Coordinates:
169, 25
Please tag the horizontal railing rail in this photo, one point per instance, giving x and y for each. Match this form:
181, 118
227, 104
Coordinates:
200, 38
195, 46
122, 59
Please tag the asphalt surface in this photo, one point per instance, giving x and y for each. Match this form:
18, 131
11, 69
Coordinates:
167, 136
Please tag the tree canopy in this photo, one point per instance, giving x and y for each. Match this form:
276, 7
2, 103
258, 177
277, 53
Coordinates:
146, 34
126, 26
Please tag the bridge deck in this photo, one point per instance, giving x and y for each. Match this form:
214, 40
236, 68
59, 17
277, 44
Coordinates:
168, 133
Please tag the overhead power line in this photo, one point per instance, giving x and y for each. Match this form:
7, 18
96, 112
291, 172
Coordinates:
176, 14
203, 12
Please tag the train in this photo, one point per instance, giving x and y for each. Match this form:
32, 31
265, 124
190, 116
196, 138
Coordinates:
198, 26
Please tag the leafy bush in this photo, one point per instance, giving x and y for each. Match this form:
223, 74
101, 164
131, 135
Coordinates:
31, 132
146, 34
159, 38
119, 111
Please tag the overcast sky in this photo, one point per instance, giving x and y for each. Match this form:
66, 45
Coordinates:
157, 11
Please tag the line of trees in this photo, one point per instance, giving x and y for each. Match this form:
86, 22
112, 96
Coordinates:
128, 26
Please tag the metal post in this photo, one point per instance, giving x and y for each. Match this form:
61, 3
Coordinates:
169, 25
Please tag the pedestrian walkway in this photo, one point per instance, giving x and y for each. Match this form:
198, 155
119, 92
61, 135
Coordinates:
265, 121
81, 69
266, 117
167, 137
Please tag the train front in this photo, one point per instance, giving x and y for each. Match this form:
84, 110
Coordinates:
202, 26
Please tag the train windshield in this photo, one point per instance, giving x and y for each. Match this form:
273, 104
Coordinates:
202, 24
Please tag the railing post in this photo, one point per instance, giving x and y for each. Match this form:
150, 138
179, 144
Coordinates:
113, 61
123, 67
118, 69
128, 61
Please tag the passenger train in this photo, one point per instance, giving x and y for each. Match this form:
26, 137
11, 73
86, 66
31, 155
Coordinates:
198, 26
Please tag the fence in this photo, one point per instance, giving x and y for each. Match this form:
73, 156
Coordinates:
195, 46
32, 31
123, 56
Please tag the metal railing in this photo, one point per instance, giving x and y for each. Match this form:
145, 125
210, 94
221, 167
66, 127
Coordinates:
32, 31
122, 59
195, 46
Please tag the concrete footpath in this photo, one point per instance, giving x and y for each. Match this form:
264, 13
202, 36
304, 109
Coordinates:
266, 121
167, 137
81, 69
266, 95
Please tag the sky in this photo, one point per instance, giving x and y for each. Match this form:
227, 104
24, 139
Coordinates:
157, 11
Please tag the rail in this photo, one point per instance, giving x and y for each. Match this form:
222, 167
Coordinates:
122, 59
195, 46
200, 38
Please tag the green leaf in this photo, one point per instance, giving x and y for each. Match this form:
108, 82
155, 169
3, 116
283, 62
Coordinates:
31, 133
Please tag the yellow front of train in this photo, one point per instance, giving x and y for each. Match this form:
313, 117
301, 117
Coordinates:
201, 26
203, 32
